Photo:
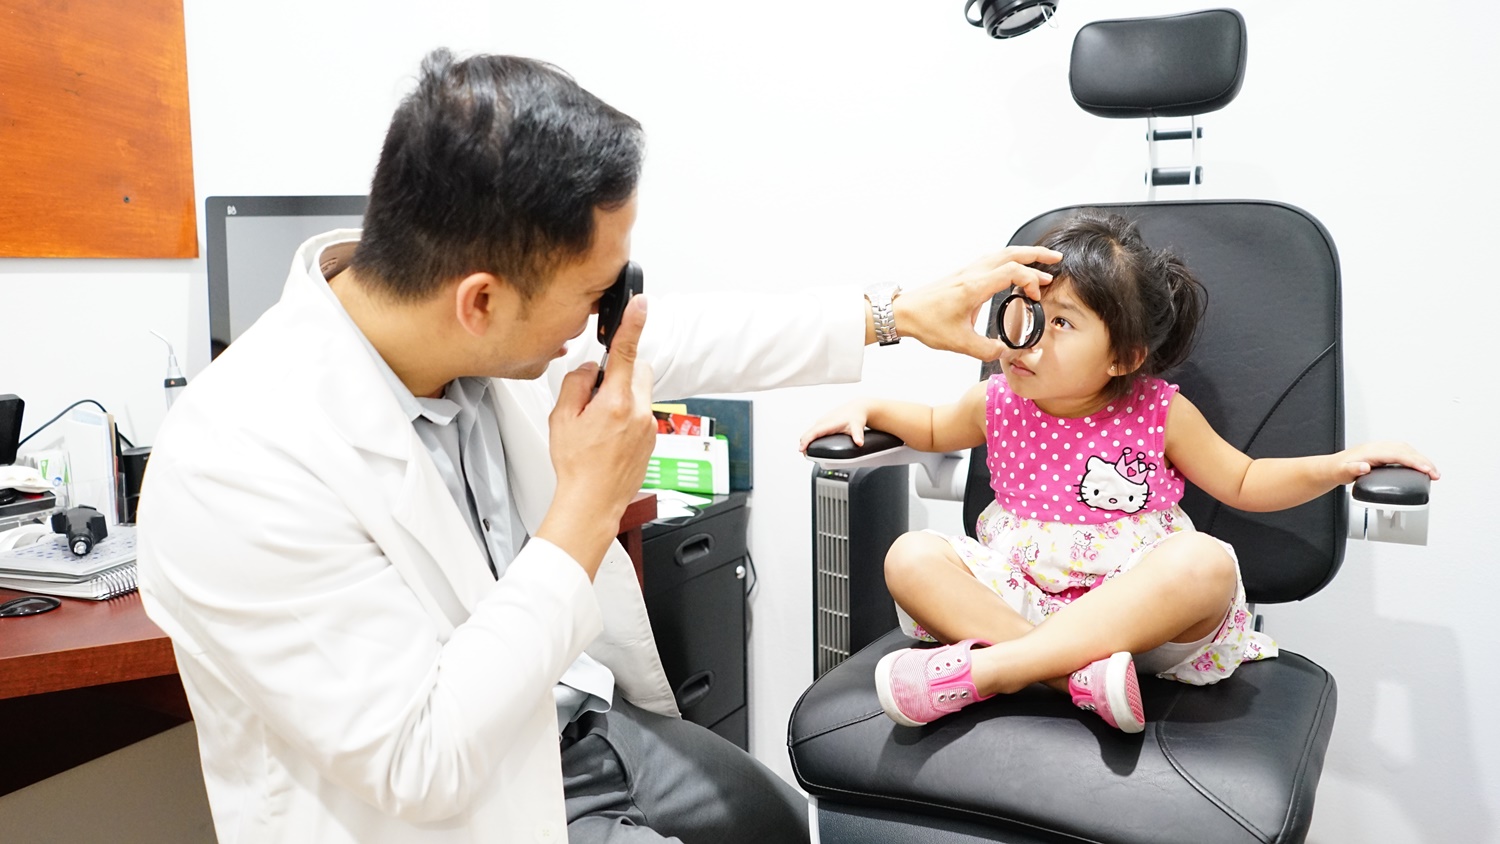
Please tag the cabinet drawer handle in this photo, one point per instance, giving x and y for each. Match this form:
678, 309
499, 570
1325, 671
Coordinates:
694, 548
694, 689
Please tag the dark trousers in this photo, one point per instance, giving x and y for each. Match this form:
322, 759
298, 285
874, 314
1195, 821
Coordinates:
631, 776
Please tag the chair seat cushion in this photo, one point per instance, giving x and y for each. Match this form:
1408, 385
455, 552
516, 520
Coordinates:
1236, 761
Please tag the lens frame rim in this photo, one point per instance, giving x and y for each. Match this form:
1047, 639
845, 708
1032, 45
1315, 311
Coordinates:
1038, 321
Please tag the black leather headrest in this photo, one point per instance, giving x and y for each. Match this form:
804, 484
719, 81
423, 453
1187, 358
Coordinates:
1172, 66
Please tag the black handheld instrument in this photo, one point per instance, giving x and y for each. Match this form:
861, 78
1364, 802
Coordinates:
612, 308
84, 527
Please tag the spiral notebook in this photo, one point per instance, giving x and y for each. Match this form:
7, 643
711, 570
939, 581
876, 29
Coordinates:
48, 567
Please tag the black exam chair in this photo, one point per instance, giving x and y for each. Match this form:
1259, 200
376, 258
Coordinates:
1234, 762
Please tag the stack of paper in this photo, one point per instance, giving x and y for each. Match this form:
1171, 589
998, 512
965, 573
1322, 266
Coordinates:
50, 568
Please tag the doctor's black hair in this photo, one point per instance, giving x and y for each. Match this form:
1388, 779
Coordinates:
492, 164
1147, 298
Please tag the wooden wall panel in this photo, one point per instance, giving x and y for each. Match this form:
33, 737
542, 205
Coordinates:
95, 149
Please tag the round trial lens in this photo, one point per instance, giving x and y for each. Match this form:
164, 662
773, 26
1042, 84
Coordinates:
1021, 321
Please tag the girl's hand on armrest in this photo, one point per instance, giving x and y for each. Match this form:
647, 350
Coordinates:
847, 419
1353, 463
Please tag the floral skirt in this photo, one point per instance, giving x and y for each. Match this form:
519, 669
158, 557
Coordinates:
1038, 568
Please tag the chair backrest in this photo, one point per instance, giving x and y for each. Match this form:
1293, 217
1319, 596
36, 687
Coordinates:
1267, 372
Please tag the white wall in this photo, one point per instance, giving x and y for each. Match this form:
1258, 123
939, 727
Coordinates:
796, 143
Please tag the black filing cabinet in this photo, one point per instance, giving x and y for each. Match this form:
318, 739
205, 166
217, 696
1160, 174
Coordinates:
695, 571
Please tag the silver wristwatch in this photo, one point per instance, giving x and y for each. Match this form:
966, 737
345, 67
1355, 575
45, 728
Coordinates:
880, 299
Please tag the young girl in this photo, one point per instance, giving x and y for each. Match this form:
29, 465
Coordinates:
1086, 569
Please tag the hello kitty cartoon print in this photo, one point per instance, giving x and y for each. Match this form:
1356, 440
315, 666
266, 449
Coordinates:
1118, 486
1089, 470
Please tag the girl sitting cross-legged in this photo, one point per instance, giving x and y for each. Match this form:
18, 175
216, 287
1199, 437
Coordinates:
1086, 569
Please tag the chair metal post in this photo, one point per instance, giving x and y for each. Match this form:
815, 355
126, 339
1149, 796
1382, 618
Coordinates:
1158, 175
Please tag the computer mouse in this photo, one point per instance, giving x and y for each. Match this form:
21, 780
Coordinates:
28, 605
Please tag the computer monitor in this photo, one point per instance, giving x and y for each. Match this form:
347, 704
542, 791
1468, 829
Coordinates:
251, 240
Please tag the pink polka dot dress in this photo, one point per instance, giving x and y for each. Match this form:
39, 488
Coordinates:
1080, 501
1085, 471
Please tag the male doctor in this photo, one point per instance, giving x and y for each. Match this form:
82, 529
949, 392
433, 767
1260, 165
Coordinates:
379, 529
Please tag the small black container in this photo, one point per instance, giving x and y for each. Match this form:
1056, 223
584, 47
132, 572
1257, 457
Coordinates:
132, 469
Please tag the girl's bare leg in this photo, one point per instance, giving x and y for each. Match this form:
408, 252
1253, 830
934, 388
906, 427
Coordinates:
929, 580
1178, 592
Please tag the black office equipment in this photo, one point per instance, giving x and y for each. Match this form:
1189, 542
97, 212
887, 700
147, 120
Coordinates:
132, 472
12, 408
857, 514
251, 240
695, 576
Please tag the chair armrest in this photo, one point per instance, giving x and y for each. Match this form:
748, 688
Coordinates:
1393, 487
880, 449
1390, 505
946, 473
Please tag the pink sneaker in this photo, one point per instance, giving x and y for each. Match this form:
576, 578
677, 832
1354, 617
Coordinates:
1110, 688
919, 685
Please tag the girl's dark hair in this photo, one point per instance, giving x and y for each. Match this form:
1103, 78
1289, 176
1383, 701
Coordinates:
1148, 299
492, 164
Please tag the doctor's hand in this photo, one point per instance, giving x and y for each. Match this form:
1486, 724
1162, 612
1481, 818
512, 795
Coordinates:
942, 315
600, 446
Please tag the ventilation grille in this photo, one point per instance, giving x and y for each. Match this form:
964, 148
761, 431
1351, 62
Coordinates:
831, 562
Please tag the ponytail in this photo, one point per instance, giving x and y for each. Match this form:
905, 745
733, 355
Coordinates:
1175, 325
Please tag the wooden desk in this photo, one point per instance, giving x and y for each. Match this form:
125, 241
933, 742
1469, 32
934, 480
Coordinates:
638, 512
80, 644
60, 670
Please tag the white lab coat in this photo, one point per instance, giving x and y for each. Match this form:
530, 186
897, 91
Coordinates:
355, 672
